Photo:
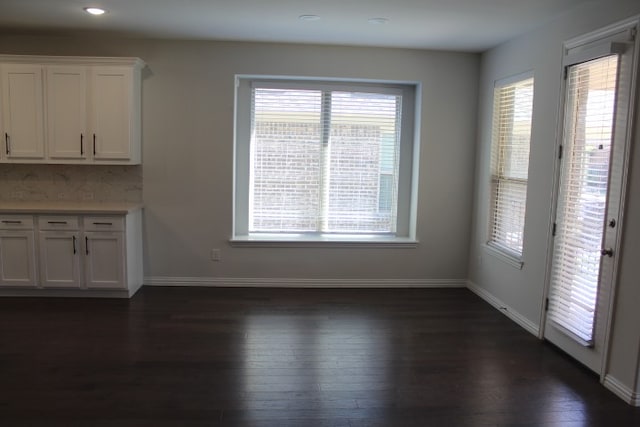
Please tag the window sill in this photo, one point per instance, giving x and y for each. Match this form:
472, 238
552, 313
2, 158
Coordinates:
337, 241
503, 255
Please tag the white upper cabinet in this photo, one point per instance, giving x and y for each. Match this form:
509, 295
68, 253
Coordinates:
91, 106
67, 112
112, 119
22, 111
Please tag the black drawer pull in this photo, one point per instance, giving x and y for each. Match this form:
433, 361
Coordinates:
102, 223
11, 221
57, 222
74, 245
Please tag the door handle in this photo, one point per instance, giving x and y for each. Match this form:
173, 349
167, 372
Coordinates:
607, 251
74, 245
6, 143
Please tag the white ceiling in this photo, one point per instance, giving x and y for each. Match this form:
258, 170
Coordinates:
466, 25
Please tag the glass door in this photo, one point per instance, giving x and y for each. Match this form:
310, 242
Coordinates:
589, 199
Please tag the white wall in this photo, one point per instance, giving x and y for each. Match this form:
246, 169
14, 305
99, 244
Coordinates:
188, 96
522, 290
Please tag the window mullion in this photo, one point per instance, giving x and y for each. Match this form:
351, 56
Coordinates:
325, 170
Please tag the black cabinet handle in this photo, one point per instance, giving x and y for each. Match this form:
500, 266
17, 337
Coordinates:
9, 221
94, 144
102, 223
81, 144
57, 222
6, 142
86, 245
74, 245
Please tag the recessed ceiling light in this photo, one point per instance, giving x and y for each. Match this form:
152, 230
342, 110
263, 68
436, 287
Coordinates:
94, 10
309, 17
377, 21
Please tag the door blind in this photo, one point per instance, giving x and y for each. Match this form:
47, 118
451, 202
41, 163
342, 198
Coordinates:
580, 218
324, 161
510, 163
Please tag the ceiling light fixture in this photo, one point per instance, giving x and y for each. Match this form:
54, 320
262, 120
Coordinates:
377, 21
309, 17
95, 11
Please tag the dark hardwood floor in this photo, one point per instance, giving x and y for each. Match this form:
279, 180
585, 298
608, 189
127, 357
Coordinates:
287, 357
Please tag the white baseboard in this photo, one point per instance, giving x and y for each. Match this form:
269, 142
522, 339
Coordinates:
263, 282
621, 390
504, 309
68, 293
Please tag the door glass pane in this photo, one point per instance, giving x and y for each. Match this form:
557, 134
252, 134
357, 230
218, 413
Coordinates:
589, 115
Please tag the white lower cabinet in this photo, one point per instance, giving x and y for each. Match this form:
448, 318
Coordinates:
72, 252
59, 240
17, 252
104, 260
104, 251
59, 259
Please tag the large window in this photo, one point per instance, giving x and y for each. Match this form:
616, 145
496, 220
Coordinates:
318, 160
513, 106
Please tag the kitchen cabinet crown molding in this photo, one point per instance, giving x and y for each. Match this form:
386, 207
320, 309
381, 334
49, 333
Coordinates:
73, 60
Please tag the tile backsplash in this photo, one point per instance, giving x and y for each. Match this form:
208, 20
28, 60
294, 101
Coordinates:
71, 182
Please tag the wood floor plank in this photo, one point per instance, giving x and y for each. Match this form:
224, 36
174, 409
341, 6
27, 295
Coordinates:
287, 357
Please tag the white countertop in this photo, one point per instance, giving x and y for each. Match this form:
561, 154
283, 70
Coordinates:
67, 207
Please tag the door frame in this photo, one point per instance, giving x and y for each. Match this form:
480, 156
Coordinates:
632, 26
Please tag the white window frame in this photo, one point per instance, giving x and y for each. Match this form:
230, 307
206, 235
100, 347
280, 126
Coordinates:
504, 252
405, 235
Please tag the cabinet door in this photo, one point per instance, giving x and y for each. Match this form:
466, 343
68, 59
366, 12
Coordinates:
17, 259
59, 259
105, 259
66, 112
23, 112
111, 107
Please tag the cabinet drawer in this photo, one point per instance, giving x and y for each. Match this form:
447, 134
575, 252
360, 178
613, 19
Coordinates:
104, 223
58, 222
16, 222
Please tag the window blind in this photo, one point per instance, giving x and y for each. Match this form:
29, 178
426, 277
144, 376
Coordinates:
323, 160
513, 108
589, 116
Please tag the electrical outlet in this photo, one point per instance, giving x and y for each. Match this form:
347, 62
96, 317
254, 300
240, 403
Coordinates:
216, 255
